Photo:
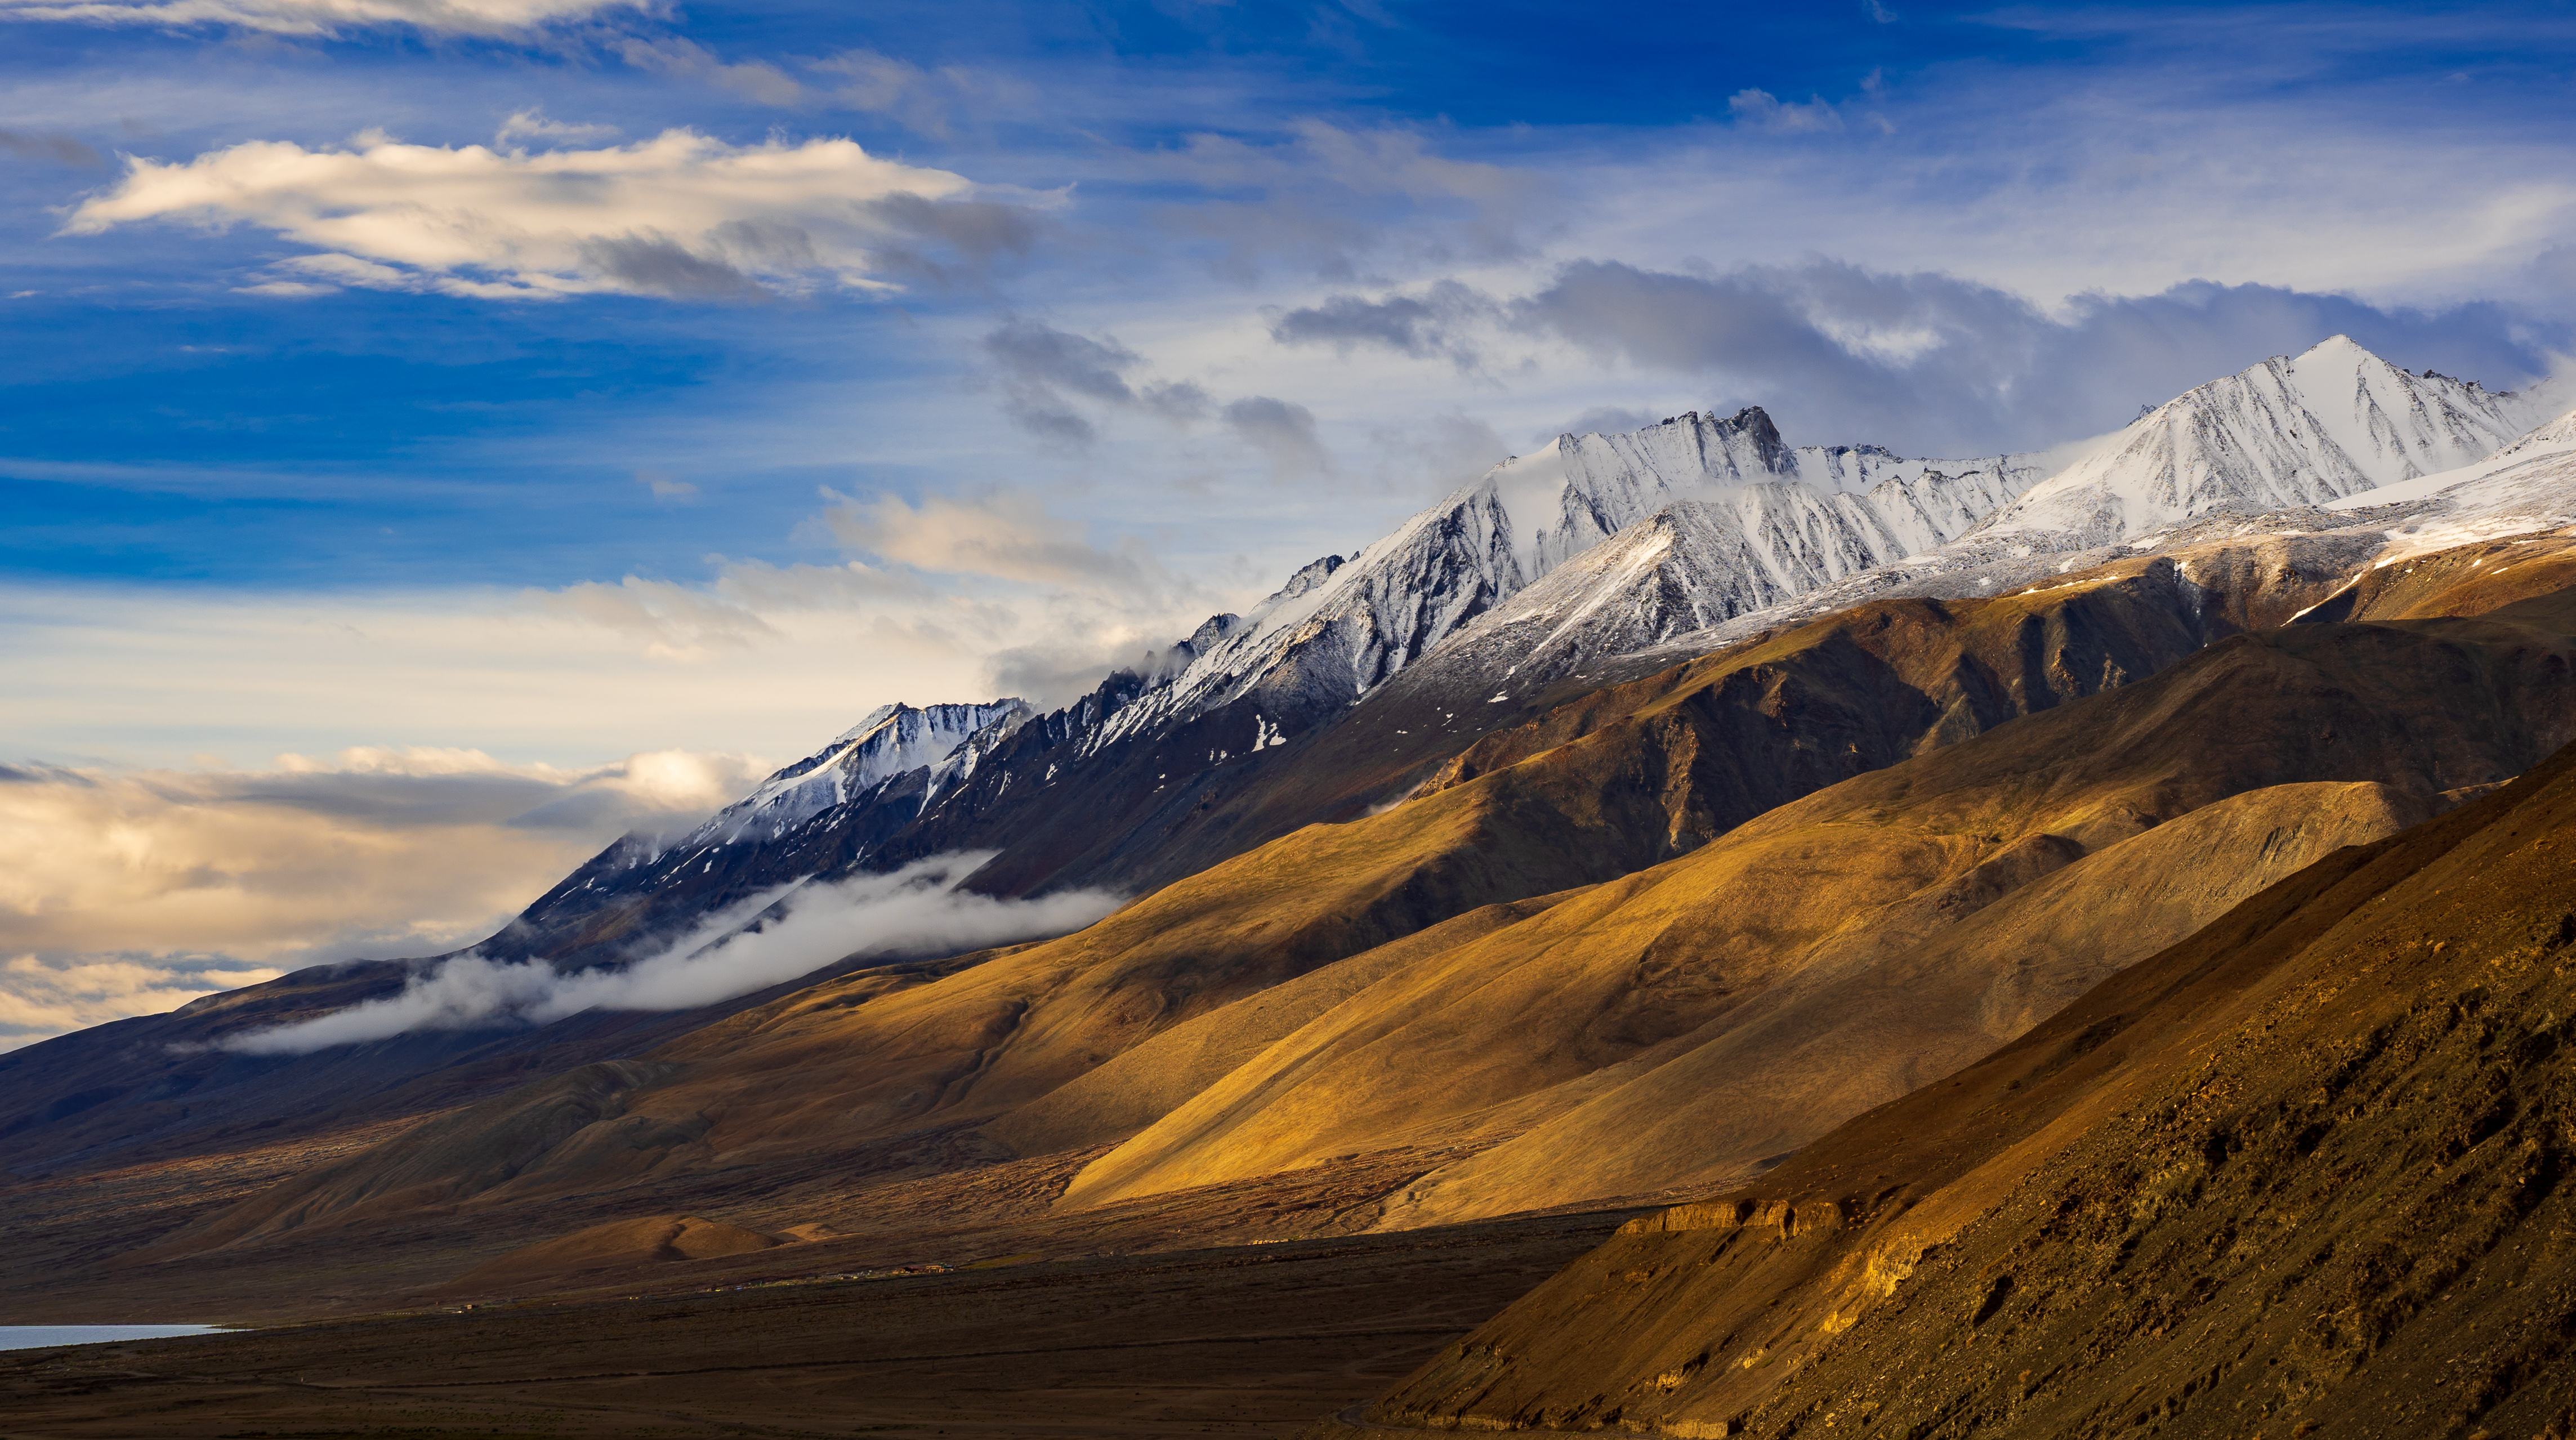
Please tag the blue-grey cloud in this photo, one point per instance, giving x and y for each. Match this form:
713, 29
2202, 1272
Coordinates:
1282, 432
1044, 370
1927, 362
50, 145
1431, 323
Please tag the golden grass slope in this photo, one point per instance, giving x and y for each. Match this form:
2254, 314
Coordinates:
2305, 1172
890, 1051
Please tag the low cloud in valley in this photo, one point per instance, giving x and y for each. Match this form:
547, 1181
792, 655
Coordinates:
917, 910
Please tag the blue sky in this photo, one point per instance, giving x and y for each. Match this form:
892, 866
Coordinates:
167, 429
526, 389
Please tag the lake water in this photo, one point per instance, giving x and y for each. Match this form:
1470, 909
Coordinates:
30, 1337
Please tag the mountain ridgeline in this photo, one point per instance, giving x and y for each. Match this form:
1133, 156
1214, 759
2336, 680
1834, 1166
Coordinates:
1595, 548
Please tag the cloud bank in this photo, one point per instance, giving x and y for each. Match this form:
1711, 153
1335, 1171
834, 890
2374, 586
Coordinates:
680, 216
916, 910
1923, 362
132, 892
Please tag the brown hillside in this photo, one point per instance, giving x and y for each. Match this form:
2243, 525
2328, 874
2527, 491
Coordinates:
2302, 1173
617, 1245
1681, 1025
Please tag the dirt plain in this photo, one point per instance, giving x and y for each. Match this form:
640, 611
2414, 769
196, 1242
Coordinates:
1240, 1340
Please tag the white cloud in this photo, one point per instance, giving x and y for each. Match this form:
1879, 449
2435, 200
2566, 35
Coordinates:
680, 215
916, 910
128, 892
320, 17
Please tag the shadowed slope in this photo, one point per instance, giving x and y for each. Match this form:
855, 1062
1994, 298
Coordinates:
2305, 1170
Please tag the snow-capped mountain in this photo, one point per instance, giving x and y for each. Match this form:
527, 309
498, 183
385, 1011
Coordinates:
1669, 539
1765, 520
2528, 485
2294, 430
1696, 563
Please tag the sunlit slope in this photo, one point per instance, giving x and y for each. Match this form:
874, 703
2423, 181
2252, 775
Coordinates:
884, 1052
1681, 1025
2305, 1172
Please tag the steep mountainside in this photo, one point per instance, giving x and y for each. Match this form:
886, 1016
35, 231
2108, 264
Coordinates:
1683, 1024
2302, 1173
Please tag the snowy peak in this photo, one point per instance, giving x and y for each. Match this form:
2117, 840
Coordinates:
2558, 434
1583, 489
1697, 563
2294, 430
893, 740
1337, 630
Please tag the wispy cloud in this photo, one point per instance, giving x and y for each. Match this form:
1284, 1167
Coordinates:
676, 622
1325, 198
918, 909
680, 215
532, 124
686, 59
1044, 370
1004, 535
50, 145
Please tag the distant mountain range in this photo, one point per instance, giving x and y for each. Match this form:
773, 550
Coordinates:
1596, 548
1611, 832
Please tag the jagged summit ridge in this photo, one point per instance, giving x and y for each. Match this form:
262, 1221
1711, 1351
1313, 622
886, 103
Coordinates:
1787, 514
892, 740
2329, 423
1697, 563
